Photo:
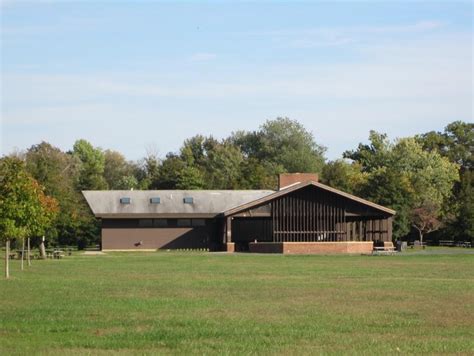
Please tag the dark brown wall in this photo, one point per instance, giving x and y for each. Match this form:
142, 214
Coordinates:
125, 235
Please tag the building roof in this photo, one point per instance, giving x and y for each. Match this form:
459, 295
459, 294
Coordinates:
206, 203
294, 187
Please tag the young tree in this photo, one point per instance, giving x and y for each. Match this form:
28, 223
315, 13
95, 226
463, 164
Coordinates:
426, 219
44, 210
24, 209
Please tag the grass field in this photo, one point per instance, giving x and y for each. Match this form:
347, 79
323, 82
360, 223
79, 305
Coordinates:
204, 303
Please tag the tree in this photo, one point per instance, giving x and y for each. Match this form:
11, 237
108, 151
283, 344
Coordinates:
43, 212
456, 143
91, 168
431, 175
374, 155
127, 183
279, 146
169, 172
204, 163
426, 219
118, 173
190, 178
24, 208
284, 144
222, 165
151, 168
58, 173
345, 176
255, 175
464, 222
393, 189
404, 176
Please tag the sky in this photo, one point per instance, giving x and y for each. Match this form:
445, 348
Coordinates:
142, 76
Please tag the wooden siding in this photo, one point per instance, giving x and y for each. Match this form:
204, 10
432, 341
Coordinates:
312, 215
308, 216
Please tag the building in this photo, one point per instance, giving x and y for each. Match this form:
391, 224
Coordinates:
303, 216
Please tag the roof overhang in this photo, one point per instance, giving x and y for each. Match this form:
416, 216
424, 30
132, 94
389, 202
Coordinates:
157, 216
292, 188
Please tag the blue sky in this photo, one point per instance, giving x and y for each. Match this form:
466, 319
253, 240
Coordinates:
138, 76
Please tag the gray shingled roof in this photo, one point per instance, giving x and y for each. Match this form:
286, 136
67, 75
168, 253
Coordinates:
106, 203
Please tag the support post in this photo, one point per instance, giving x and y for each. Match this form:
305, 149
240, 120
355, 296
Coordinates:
42, 249
230, 247
29, 253
7, 258
22, 253
228, 230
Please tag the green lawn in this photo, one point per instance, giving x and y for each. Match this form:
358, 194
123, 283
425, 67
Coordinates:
205, 303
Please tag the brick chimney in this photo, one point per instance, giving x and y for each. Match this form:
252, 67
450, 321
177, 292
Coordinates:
287, 179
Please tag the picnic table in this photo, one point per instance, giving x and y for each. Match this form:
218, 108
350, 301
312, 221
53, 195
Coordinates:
55, 253
383, 250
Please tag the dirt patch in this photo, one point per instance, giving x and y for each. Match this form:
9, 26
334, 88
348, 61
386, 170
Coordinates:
93, 253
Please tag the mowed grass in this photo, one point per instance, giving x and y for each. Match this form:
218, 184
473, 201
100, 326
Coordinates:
205, 303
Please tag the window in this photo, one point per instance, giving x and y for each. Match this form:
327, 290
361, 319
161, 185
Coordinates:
188, 200
145, 223
184, 222
155, 200
171, 222
125, 200
160, 223
199, 222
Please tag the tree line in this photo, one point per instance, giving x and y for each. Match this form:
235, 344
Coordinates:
428, 179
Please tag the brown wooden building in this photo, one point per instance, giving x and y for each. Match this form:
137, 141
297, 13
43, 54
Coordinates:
303, 216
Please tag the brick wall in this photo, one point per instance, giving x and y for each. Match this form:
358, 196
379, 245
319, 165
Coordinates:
356, 247
286, 179
230, 247
266, 247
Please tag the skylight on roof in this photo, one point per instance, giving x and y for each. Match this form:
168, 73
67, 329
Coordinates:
155, 200
125, 200
188, 200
